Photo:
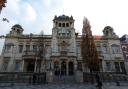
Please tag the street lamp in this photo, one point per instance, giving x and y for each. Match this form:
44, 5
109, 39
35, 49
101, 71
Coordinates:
11, 63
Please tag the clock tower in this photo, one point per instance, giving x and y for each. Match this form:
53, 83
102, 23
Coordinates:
63, 44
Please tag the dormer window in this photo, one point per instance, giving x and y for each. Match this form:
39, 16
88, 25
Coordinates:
18, 31
14, 29
107, 33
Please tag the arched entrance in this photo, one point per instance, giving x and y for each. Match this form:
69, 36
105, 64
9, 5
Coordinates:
56, 68
63, 68
70, 68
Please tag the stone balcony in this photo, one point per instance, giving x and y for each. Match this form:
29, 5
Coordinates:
63, 53
30, 55
118, 56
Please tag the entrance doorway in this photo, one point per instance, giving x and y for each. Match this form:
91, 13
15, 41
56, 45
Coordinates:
30, 67
63, 68
56, 68
70, 68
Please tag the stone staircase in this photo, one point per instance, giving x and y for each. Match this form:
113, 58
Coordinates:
64, 80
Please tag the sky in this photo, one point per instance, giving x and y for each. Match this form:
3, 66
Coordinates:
36, 15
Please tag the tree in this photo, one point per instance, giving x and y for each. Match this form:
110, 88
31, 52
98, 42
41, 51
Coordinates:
88, 48
2, 4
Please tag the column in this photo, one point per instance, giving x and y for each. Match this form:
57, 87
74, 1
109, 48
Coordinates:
103, 66
11, 61
113, 67
1, 64
31, 46
22, 68
35, 68
67, 68
59, 68
75, 65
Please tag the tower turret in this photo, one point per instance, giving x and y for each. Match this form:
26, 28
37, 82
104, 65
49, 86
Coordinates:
63, 21
17, 30
108, 32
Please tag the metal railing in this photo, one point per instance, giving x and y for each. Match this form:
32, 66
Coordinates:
105, 76
22, 78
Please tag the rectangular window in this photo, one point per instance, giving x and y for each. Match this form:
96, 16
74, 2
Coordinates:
20, 48
104, 49
115, 49
98, 49
117, 67
27, 47
34, 48
41, 47
122, 67
17, 66
5, 65
118, 49
108, 66
7, 48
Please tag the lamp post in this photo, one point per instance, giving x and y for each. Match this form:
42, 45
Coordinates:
11, 62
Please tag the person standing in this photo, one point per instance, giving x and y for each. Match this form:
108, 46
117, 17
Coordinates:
99, 82
34, 78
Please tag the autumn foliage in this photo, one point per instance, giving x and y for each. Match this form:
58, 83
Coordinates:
88, 48
2, 4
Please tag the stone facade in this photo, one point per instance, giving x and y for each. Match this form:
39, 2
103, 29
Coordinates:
60, 53
124, 46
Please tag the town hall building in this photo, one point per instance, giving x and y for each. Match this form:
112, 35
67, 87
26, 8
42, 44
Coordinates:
59, 53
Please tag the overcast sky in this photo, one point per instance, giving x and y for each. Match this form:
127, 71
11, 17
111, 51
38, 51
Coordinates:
37, 15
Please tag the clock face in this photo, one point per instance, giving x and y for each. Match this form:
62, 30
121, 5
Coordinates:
63, 30
64, 33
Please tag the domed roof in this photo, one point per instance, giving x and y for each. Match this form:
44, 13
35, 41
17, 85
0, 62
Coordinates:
108, 28
17, 26
63, 17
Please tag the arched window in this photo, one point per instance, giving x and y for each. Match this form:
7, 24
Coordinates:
124, 48
67, 24
56, 23
63, 24
59, 24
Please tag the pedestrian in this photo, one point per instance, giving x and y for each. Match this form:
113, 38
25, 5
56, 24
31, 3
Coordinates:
97, 78
99, 82
30, 78
99, 85
34, 78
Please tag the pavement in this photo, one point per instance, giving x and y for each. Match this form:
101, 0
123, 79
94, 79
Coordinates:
64, 86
